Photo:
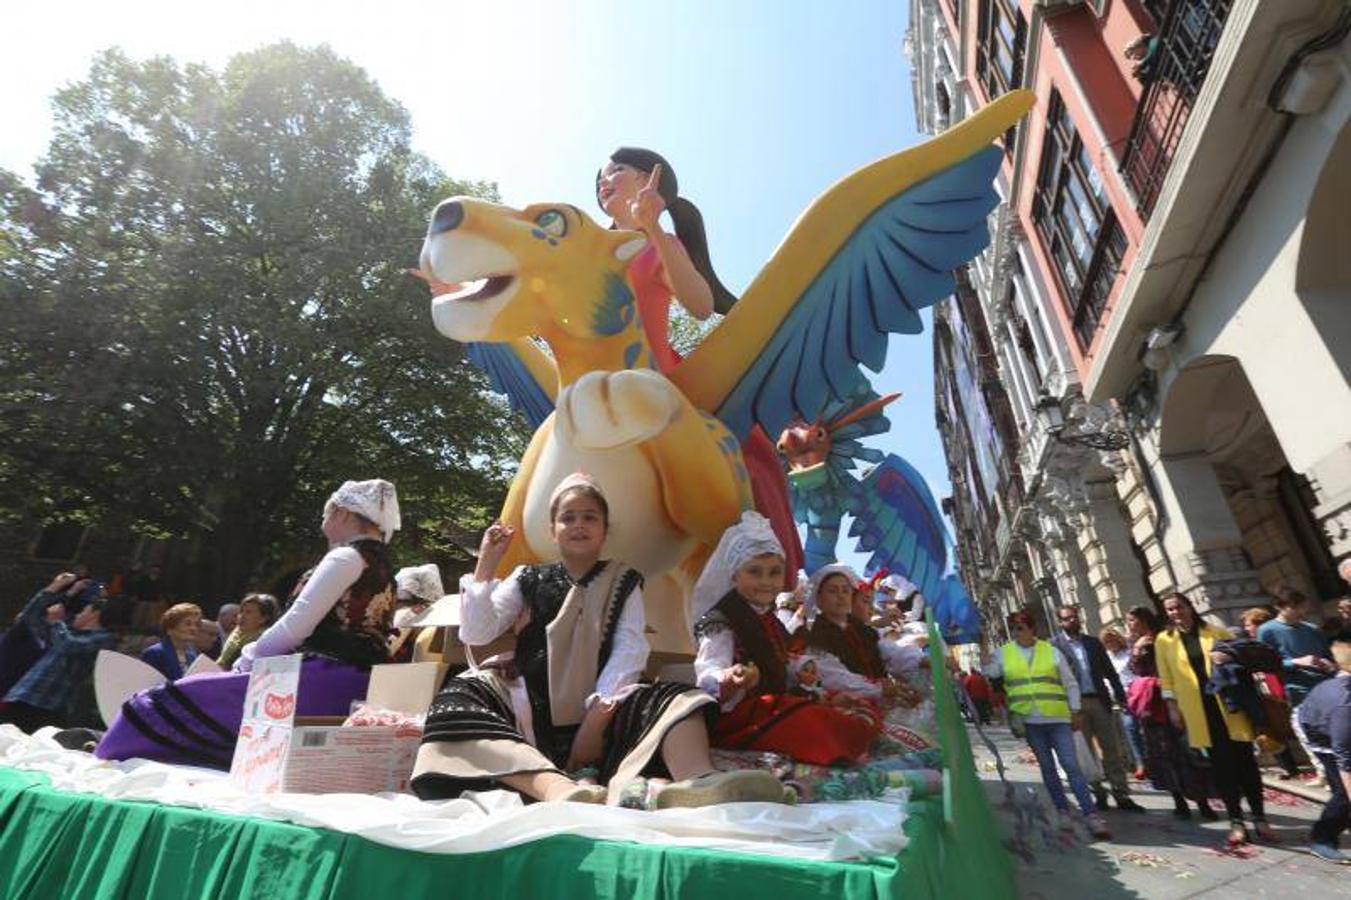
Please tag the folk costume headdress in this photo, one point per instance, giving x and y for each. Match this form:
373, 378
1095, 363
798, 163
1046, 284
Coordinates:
751, 537
375, 500
819, 577
420, 582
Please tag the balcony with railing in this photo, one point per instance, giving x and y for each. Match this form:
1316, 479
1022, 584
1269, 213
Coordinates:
1173, 71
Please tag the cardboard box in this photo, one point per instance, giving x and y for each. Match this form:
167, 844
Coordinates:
277, 752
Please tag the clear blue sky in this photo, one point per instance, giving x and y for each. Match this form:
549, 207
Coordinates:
758, 105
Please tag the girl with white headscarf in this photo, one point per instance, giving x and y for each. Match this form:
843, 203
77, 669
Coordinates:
746, 659
339, 617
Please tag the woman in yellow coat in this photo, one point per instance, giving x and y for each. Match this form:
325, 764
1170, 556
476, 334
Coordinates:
1184, 653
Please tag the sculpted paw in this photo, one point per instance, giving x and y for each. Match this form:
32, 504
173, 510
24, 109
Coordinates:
607, 410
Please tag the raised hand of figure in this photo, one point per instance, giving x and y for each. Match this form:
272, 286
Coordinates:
646, 207
61, 582
496, 539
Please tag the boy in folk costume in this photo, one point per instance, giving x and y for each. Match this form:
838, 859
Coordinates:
569, 696
744, 658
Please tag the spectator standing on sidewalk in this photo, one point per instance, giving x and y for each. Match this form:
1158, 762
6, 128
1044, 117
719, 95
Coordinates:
1119, 652
978, 689
1169, 763
1184, 658
1043, 699
1325, 722
1306, 658
1096, 676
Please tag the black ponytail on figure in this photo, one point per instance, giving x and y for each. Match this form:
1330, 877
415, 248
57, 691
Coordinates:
689, 223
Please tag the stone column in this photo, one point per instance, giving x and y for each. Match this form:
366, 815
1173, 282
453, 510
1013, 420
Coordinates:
1071, 572
1114, 570
1203, 540
1330, 478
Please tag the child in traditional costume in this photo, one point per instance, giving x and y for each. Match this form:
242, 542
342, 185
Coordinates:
339, 618
850, 651
418, 588
745, 659
569, 696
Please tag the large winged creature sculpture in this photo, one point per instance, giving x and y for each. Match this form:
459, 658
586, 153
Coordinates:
860, 263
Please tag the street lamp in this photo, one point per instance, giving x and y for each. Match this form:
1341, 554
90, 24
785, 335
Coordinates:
1083, 432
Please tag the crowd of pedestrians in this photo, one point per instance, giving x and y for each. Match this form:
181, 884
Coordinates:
1186, 705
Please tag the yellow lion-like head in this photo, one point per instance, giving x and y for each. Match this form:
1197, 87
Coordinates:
527, 271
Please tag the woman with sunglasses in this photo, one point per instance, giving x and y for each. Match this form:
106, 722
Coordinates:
1043, 702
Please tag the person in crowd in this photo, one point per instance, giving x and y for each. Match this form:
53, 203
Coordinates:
25, 641
147, 592
227, 617
570, 696
1144, 52
745, 658
339, 617
1306, 658
209, 639
1183, 655
1168, 763
418, 588
1324, 718
1119, 652
1252, 620
1043, 699
256, 613
177, 647
1089, 661
978, 689
848, 652
43, 695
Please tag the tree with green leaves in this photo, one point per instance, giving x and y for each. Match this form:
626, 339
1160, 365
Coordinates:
209, 322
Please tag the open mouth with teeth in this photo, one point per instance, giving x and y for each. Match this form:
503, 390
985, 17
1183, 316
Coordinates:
480, 288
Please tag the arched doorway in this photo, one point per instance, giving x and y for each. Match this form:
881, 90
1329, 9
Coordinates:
1242, 502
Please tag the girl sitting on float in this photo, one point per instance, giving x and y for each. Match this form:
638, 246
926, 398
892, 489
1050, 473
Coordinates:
570, 695
744, 660
849, 649
339, 618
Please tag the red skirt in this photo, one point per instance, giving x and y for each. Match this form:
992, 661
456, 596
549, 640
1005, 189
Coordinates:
804, 729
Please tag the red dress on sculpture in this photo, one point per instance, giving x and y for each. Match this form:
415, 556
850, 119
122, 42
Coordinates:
768, 485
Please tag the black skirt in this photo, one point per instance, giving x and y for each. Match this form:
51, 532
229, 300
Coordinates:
469, 708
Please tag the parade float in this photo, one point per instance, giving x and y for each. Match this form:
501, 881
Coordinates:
550, 316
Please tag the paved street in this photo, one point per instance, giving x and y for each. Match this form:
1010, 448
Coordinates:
1153, 855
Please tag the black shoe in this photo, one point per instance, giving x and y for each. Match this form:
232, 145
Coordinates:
1207, 813
1100, 800
1129, 805
1181, 813
85, 739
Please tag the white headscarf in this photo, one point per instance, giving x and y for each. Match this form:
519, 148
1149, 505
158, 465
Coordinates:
821, 575
375, 499
751, 537
422, 582
576, 479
